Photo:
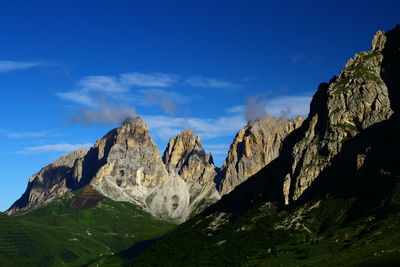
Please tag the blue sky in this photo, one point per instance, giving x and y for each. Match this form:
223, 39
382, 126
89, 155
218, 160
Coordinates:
72, 70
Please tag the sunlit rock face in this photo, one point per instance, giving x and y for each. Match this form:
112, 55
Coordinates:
172, 188
256, 145
185, 158
132, 162
50, 182
126, 165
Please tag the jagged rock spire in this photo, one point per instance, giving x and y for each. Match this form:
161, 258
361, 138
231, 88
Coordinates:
186, 156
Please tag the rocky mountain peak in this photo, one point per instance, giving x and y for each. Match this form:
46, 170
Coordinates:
185, 156
134, 121
255, 145
341, 109
132, 162
50, 182
378, 42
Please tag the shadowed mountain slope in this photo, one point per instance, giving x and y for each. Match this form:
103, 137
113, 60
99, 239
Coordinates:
331, 197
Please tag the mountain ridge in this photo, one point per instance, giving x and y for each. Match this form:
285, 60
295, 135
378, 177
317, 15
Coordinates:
126, 165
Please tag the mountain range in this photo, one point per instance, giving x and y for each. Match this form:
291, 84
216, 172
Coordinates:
317, 191
126, 165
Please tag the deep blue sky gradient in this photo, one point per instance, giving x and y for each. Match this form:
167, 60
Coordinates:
264, 49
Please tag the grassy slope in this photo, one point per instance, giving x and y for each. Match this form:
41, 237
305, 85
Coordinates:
57, 235
255, 240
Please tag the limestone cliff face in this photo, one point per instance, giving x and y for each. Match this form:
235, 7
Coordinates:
191, 173
341, 109
126, 165
186, 157
256, 144
50, 182
132, 162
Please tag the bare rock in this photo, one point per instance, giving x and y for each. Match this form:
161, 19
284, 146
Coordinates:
256, 144
133, 162
340, 109
186, 157
169, 200
50, 182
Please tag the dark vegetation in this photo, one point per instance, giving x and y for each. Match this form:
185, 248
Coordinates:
350, 217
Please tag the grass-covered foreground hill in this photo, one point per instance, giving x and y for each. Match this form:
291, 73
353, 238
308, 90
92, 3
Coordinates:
75, 231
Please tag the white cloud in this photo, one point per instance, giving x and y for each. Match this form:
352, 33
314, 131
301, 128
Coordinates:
148, 80
291, 105
236, 109
166, 127
8, 65
107, 84
287, 106
107, 99
28, 134
198, 81
79, 97
53, 148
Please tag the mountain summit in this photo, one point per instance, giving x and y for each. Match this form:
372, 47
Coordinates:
255, 145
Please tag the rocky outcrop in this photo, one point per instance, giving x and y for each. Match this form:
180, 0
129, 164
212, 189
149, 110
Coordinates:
134, 171
50, 182
185, 156
186, 160
341, 109
126, 165
256, 144
169, 200
132, 163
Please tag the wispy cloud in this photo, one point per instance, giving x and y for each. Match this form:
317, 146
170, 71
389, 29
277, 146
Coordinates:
149, 80
236, 109
109, 99
8, 65
52, 148
107, 84
79, 97
198, 81
100, 100
165, 127
287, 106
290, 105
297, 57
166, 100
108, 113
28, 134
